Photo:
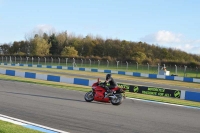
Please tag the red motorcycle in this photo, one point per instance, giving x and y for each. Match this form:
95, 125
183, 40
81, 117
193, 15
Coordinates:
99, 94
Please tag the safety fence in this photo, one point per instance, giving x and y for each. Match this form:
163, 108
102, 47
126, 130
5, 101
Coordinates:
181, 94
189, 70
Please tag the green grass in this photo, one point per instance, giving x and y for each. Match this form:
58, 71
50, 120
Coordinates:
63, 72
6, 127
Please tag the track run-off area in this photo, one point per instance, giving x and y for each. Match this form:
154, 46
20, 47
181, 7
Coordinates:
67, 110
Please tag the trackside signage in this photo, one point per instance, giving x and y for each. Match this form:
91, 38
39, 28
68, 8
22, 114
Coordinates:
152, 91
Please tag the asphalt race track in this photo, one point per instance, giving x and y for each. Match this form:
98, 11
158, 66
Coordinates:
66, 110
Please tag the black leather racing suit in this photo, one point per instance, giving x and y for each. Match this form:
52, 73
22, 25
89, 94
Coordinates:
112, 84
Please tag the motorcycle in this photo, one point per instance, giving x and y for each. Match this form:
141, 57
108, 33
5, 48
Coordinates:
100, 94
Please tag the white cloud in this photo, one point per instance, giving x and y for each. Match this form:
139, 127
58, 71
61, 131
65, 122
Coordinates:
173, 40
44, 28
163, 37
189, 48
40, 30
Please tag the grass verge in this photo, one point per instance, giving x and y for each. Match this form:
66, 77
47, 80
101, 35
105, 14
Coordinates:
87, 88
6, 127
131, 68
63, 72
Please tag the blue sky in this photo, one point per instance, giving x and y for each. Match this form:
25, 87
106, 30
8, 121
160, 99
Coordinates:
168, 23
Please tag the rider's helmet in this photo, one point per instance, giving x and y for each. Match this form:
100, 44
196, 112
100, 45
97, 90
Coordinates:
108, 76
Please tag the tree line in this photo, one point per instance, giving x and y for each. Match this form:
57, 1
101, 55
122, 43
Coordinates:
64, 45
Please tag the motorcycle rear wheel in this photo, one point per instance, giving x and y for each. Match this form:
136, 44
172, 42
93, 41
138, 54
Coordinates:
89, 97
118, 100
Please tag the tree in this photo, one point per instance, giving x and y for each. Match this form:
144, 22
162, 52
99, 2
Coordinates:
45, 36
5, 48
62, 41
139, 56
54, 49
62, 38
69, 51
125, 49
87, 46
92, 47
15, 47
77, 44
24, 47
40, 47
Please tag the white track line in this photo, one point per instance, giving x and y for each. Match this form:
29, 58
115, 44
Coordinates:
178, 105
30, 125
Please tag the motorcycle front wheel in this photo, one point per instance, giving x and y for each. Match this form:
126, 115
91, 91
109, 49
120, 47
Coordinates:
118, 100
89, 96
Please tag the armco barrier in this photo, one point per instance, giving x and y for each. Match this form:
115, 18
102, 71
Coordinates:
53, 78
187, 95
137, 74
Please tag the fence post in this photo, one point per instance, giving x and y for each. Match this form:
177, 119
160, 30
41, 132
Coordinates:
81, 62
98, 63
6, 59
107, 63
148, 67
126, 65
117, 64
51, 60
58, 61
175, 69
90, 62
137, 65
38, 60
45, 60
185, 67
66, 61
32, 60
196, 72
27, 60
74, 62
10, 60
20, 60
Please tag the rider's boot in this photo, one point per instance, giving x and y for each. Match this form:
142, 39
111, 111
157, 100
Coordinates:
108, 92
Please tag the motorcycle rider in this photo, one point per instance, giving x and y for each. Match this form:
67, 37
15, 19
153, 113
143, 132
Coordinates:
111, 82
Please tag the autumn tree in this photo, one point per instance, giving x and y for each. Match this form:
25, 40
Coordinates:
87, 46
139, 56
69, 51
39, 47
62, 41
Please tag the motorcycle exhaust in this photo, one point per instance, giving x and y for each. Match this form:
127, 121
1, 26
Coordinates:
113, 96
